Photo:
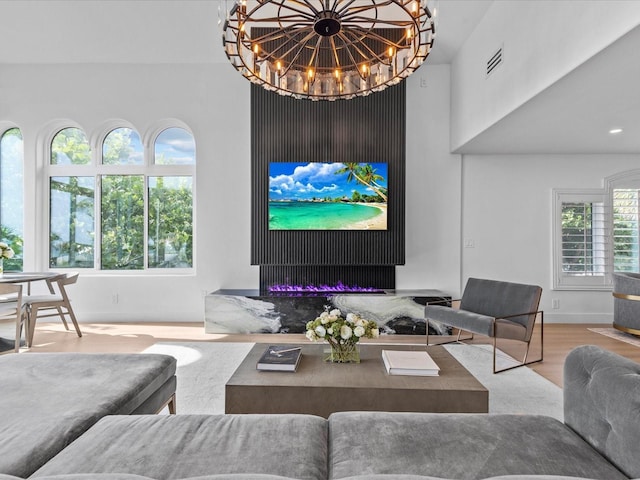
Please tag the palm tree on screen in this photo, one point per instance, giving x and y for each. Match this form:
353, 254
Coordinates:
365, 175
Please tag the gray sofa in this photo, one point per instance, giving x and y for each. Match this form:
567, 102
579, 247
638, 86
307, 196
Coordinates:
47, 400
598, 439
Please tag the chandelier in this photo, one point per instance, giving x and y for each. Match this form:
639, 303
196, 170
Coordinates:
327, 49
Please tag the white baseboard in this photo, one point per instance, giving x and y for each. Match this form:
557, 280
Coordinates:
577, 317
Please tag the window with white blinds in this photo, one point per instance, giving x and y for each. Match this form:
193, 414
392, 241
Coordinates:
596, 233
625, 230
581, 239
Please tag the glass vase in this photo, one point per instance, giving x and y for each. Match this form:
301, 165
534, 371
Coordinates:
343, 353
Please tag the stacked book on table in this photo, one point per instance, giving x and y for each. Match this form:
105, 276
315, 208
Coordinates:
283, 358
409, 362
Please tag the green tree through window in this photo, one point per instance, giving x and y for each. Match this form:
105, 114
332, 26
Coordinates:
145, 208
12, 196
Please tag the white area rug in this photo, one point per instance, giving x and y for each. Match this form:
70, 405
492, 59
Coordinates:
617, 334
205, 367
515, 391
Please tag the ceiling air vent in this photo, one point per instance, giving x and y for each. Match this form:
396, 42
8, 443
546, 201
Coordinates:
494, 61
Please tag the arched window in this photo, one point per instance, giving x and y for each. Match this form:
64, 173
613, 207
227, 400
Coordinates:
175, 146
122, 202
70, 147
72, 202
170, 221
122, 147
11, 196
121, 210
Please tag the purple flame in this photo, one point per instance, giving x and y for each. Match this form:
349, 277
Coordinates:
338, 287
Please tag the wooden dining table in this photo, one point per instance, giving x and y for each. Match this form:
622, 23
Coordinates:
26, 277
22, 277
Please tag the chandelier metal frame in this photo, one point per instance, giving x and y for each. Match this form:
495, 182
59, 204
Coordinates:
327, 49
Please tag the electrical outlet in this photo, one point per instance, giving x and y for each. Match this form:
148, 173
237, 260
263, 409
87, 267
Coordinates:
469, 243
114, 298
555, 304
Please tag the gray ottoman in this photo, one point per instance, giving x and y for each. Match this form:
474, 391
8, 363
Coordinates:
182, 446
50, 399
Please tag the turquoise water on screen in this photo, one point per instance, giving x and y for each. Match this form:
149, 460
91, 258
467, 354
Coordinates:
317, 215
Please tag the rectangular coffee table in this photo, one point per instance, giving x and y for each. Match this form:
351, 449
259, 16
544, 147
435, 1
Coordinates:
321, 388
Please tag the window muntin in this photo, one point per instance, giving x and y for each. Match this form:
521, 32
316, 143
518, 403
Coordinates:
122, 146
175, 146
12, 196
71, 222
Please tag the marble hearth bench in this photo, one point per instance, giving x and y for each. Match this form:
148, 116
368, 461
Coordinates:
252, 311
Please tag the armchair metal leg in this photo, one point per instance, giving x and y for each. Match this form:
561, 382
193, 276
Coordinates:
526, 353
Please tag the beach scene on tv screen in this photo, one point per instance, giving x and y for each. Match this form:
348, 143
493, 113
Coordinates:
327, 196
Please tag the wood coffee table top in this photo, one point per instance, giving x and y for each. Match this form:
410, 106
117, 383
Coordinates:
321, 388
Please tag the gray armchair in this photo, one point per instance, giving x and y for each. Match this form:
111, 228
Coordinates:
500, 310
626, 302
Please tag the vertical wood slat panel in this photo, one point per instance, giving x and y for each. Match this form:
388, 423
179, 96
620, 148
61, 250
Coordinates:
365, 129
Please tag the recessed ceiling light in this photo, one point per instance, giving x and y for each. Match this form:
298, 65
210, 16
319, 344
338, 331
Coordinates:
615, 131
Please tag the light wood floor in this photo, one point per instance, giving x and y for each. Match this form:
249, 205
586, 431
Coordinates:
559, 339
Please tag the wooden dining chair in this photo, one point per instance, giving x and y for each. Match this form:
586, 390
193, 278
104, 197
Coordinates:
56, 303
13, 309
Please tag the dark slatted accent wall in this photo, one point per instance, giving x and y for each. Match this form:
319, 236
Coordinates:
365, 129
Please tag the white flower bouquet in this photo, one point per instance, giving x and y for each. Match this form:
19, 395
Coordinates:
5, 251
342, 333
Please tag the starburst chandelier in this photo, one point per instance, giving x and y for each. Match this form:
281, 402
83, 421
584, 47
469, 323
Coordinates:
327, 49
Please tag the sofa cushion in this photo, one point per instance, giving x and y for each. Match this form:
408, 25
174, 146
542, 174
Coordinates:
535, 477
128, 476
459, 446
424, 477
49, 399
469, 321
108, 476
602, 401
179, 446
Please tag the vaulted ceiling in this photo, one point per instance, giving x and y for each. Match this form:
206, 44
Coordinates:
573, 115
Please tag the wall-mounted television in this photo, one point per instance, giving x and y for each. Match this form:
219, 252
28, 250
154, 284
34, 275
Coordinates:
328, 196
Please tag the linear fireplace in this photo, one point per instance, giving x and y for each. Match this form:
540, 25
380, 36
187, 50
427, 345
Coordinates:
333, 277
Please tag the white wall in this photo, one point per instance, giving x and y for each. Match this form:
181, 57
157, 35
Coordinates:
449, 199
433, 187
542, 41
507, 213
213, 100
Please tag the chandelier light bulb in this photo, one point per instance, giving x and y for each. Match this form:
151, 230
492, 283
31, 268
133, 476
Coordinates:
288, 45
